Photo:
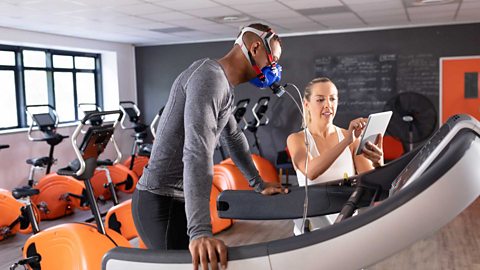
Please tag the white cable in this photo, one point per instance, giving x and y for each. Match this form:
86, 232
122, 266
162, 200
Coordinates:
304, 126
298, 106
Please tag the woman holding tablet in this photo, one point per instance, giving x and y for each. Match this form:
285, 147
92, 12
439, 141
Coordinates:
332, 149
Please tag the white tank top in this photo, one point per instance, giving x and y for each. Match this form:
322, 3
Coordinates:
341, 166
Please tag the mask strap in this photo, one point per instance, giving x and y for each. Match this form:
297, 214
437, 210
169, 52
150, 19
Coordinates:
255, 67
266, 37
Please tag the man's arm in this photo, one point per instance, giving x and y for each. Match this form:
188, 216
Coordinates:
237, 145
200, 124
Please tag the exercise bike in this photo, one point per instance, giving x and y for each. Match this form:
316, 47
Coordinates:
109, 176
59, 195
138, 159
239, 112
77, 245
16, 214
259, 119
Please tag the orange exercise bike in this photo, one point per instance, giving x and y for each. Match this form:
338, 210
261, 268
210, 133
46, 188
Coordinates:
15, 210
59, 195
19, 214
77, 245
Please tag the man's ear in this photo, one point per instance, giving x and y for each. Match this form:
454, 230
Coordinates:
255, 47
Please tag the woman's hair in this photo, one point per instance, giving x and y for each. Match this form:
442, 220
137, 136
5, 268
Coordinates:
308, 88
308, 94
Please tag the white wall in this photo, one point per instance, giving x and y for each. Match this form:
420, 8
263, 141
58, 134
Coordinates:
119, 83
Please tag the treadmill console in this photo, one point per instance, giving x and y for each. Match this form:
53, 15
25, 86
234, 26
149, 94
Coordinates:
424, 153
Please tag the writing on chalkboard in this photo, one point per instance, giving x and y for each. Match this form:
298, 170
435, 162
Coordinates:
418, 73
364, 82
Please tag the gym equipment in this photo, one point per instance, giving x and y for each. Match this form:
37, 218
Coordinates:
239, 112
48, 126
266, 170
77, 245
17, 210
145, 149
414, 118
284, 164
407, 200
59, 195
109, 175
392, 148
119, 218
258, 111
135, 162
19, 213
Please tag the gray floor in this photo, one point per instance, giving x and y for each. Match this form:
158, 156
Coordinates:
456, 246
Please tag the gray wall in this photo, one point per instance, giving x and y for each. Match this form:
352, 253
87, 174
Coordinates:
157, 67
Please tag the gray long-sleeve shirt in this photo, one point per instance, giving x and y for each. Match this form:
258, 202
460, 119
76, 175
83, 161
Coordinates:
197, 113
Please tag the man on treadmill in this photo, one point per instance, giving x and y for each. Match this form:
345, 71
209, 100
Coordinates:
171, 204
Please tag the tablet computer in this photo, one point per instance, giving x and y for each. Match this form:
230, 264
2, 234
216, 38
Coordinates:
377, 124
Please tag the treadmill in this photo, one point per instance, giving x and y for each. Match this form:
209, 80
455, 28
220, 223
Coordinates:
402, 202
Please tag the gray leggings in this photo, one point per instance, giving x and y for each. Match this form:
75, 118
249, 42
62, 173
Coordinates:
161, 221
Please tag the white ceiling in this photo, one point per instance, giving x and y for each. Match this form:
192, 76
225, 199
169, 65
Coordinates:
148, 22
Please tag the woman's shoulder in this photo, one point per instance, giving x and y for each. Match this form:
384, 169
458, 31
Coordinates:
295, 138
296, 135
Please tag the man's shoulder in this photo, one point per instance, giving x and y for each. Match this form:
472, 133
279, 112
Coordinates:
207, 75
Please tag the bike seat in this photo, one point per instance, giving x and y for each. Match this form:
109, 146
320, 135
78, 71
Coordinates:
145, 149
105, 162
71, 169
252, 126
54, 139
39, 162
140, 128
25, 191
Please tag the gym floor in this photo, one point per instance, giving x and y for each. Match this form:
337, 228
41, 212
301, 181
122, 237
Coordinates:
455, 246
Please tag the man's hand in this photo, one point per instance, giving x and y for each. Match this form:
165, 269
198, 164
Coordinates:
205, 249
273, 188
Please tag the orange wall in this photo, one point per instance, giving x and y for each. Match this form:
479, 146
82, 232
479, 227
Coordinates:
453, 99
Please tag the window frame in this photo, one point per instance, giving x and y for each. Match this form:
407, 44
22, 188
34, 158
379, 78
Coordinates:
19, 71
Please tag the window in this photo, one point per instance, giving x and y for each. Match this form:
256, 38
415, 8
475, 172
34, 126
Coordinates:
7, 58
8, 104
33, 76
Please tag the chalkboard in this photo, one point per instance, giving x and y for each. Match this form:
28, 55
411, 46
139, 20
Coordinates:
365, 82
418, 73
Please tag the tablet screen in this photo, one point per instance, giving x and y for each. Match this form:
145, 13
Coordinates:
377, 124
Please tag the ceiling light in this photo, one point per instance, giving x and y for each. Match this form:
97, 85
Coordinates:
418, 3
231, 18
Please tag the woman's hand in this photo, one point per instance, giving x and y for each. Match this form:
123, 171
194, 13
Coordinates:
355, 129
374, 152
